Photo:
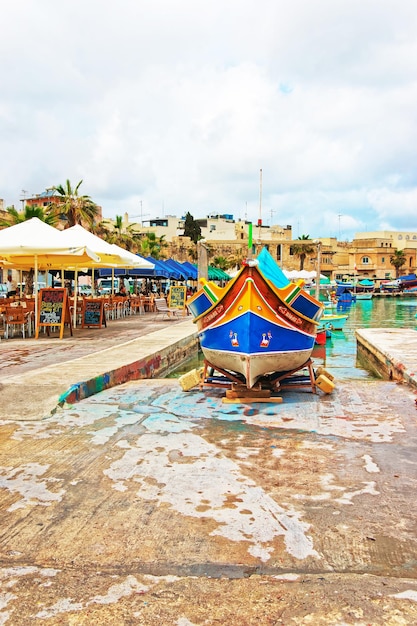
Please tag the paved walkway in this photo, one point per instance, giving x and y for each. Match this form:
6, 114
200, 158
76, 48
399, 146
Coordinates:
49, 370
147, 505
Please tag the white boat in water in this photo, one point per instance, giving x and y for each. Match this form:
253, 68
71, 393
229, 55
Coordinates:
334, 321
363, 295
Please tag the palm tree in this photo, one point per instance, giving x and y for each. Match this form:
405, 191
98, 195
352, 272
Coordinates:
235, 259
125, 237
118, 224
102, 230
151, 245
16, 217
398, 260
221, 262
75, 209
303, 249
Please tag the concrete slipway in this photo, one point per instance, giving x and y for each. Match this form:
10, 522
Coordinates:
143, 504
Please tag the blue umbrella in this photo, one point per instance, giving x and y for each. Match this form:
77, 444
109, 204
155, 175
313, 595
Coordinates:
105, 272
179, 267
172, 271
191, 269
159, 271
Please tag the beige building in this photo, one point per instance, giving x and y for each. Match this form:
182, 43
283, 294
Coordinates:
367, 256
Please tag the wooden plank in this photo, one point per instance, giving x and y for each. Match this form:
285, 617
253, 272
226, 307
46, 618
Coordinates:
252, 400
250, 393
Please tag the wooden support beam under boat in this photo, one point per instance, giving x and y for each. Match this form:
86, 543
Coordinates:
250, 400
236, 390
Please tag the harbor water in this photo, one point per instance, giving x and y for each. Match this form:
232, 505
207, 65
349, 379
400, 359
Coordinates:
380, 312
339, 353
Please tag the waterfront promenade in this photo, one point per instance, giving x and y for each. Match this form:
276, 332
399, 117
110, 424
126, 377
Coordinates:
146, 505
49, 369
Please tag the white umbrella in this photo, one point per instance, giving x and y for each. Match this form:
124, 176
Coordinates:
78, 236
291, 274
133, 260
306, 274
110, 255
35, 244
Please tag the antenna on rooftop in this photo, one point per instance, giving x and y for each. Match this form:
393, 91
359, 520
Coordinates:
22, 200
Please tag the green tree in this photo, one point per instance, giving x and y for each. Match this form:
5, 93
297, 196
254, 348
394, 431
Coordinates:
193, 253
74, 208
221, 262
302, 250
123, 236
191, 228
151, 245
235, 259
16, 217
398, 260
118, 223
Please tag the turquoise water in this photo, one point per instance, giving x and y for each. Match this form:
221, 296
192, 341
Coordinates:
380, 312
339, 354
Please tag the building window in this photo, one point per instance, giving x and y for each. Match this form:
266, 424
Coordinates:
212, 227
400, 236
383, 260
365, 260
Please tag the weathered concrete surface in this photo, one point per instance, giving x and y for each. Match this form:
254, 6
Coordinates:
147, 505
389, 352
90, 361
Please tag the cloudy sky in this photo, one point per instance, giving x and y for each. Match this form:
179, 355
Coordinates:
168, 106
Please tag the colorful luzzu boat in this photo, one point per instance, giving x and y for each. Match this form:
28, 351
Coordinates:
258, 324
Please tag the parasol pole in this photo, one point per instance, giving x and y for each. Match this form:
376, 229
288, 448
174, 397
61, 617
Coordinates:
74, 322
36, 295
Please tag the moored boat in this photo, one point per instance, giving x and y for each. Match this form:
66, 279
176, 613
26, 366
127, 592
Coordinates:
408, 282
334, 321
258, 324
364, 295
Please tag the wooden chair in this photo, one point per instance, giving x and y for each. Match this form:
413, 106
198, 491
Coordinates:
162, 308
136, 305
29, 306
17, 316
110, 308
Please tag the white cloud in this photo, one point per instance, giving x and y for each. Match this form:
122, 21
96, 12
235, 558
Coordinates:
178, 104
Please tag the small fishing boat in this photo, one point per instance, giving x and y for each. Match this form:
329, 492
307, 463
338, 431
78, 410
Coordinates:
334, 321
364, 295
407, 282
258, 324
321, 336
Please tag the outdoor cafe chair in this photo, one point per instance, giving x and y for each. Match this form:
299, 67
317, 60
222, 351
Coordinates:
162, 309
136, 305
110, 308
15, 317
